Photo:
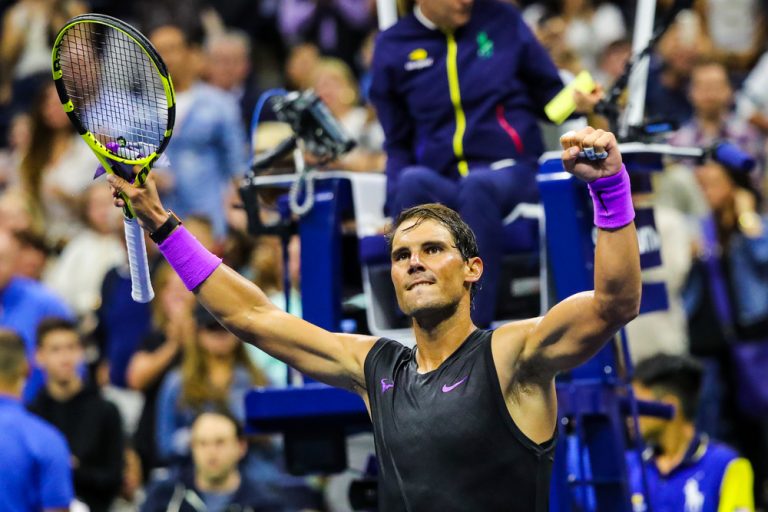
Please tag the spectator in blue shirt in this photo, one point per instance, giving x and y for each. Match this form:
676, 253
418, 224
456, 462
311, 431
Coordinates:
209, 149
459, 88
24, 303
34, 465
685, 470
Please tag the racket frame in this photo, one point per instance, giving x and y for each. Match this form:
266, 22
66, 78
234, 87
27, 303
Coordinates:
100, 150
141, 285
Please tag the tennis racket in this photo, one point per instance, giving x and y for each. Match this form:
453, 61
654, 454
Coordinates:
116, 90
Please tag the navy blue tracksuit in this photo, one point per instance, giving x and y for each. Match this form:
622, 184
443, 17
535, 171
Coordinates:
453, 107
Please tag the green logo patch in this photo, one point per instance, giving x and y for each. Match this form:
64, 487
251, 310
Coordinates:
484, 46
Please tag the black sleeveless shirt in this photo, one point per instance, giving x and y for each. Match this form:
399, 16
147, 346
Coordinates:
445, 440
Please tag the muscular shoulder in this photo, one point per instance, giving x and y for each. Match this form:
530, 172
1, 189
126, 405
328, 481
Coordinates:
384, 355
510, 337
508, 346
388, 348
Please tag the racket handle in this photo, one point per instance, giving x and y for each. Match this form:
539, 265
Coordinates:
141, 285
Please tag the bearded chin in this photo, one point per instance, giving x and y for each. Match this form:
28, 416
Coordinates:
429, 316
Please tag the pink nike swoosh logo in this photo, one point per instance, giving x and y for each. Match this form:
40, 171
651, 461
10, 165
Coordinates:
448, 389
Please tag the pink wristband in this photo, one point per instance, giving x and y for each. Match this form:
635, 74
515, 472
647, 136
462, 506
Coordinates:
612, 199
193, 262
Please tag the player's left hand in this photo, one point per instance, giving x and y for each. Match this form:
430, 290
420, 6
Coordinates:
590, 154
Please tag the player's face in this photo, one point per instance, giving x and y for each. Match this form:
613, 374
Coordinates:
60, 355
216, 450
447, 14
428, 271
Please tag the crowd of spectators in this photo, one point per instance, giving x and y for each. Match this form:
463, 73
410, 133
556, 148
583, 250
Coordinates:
102, 364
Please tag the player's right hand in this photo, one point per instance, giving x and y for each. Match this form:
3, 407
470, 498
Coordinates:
606, 158
145, 200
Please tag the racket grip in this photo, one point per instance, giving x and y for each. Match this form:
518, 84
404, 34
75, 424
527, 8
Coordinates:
141, 285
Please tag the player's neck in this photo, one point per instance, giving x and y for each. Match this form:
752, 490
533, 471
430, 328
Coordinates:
675, 441
64, 390
437, 342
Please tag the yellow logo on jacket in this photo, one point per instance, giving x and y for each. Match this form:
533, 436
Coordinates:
418, 54
418, 59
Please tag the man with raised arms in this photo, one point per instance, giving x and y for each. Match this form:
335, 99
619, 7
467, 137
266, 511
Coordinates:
465, 420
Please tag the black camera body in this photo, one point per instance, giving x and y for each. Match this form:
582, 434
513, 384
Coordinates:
321, 135
313, 124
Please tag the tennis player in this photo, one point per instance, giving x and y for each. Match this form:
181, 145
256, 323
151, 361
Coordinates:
466, 419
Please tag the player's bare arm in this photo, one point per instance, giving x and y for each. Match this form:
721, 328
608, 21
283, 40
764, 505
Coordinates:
574, 330
530, 353
244, 309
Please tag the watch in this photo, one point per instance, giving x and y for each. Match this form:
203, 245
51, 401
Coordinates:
160, 234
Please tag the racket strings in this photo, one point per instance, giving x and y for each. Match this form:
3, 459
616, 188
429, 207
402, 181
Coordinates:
115, 89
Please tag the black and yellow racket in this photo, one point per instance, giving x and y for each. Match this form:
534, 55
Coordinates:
117, 92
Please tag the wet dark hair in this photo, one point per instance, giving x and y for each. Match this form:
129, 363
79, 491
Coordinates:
677, 375
462, 234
